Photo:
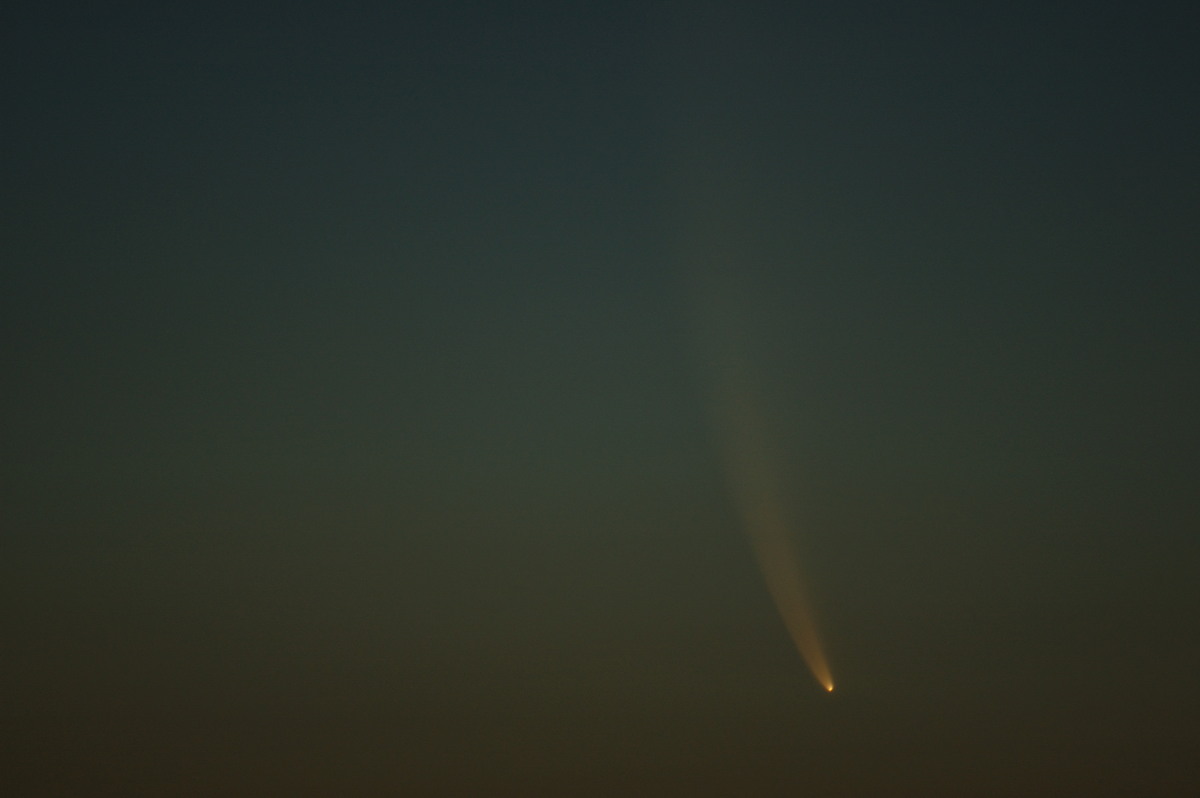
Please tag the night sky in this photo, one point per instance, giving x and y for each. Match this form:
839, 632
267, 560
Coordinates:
356, 411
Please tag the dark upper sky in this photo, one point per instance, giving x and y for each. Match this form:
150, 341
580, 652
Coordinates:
354, 426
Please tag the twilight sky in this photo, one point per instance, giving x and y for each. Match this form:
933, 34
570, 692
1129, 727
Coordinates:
356, 415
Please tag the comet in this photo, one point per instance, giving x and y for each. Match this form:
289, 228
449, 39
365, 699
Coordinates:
752, 474
713, 163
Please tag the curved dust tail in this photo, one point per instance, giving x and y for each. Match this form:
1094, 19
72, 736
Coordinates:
717, 175
754, 479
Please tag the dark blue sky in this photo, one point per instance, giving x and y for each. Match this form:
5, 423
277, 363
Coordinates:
355, 426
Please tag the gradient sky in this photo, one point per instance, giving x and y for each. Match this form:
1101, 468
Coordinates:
355, 430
